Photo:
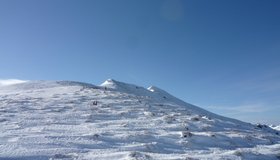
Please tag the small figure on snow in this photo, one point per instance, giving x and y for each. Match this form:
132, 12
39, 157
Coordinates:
94, 103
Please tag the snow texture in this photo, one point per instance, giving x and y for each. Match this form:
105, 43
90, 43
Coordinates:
66, 120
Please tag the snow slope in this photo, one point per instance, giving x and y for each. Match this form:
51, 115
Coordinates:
73, 120
275, 127
7, 82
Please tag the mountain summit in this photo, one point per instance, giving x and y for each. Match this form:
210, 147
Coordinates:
116, 120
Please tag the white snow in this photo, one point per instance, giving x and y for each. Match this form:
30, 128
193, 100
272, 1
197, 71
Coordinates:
73, 120
6, 82
275, 127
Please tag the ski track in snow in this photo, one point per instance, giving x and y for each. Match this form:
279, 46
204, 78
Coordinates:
59, 120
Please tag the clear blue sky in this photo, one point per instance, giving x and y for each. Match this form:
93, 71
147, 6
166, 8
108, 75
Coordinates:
223, 55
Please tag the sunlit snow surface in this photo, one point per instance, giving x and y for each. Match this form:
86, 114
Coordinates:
61, 120
6, 82
275, 127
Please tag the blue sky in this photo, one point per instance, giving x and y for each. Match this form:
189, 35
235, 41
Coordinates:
221, 55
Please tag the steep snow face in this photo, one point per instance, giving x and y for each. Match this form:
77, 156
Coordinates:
73, 120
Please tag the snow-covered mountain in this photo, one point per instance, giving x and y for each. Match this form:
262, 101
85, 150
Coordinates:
73, 120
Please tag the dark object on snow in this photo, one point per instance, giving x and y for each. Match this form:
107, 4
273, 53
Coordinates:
186, 134
195, 118
62, 156
262, 126
96, 135
94, 103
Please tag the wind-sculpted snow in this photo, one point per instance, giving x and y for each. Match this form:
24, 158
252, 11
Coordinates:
73, 120
275, 127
